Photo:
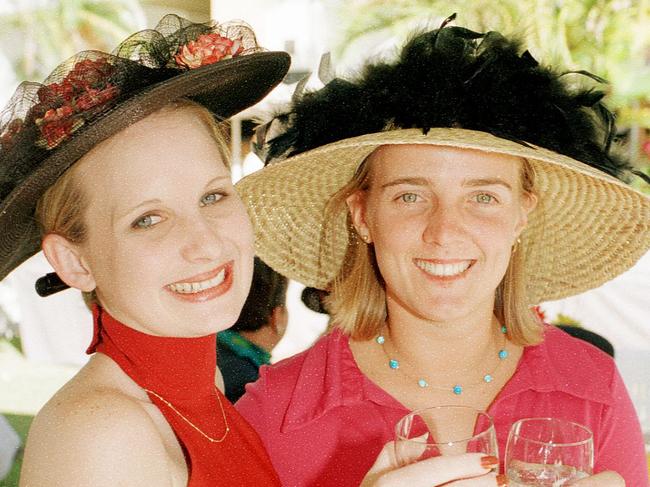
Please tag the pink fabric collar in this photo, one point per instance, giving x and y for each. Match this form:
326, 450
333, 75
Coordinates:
330, 366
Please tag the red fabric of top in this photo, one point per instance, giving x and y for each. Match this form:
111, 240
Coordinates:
182, 371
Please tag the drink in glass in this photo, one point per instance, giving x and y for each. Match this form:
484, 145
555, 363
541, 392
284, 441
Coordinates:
548, 452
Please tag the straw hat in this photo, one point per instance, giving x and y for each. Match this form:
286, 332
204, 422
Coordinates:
46, 127
588, 227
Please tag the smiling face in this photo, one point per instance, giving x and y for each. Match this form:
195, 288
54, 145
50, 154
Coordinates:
443, 222
169, 245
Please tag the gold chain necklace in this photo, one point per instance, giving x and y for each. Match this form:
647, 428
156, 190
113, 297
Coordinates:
209, 438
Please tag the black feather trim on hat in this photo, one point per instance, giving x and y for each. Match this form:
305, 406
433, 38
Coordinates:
454, 77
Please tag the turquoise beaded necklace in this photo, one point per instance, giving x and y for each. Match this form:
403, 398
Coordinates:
457, 389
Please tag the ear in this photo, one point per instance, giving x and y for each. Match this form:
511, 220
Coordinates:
279, 320
357, 206
528, 204
68, 262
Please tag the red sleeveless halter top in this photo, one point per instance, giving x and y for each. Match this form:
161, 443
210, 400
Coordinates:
178, 374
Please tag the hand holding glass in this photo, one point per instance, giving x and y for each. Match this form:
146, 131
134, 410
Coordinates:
444, 430
548, 452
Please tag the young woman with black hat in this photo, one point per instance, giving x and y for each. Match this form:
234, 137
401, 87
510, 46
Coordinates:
119, 161
438, 197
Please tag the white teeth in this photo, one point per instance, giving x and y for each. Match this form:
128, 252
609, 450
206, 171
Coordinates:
442, 270
195, 287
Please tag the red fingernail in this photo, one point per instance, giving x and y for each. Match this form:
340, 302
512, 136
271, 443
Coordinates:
502, 480
489, 461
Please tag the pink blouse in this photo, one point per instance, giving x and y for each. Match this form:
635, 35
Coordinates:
323, 422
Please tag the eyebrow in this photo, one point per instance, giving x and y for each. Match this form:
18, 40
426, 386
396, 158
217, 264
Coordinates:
487, 182
418, 181
412, 180
156, 201
118, 216
225, 177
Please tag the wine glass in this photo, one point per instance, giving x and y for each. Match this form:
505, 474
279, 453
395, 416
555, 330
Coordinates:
548, 452
444, 430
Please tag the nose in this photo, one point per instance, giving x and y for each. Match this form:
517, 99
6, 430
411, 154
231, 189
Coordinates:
200, 240
443, 225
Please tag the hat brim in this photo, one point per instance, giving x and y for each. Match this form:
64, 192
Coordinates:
587, 228
225, 88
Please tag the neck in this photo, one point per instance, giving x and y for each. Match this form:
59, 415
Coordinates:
266, 338
443, 345
170, 366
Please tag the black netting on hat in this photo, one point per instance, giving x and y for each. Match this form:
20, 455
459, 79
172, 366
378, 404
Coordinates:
41, 117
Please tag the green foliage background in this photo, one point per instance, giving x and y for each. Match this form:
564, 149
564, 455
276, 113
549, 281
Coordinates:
50, 31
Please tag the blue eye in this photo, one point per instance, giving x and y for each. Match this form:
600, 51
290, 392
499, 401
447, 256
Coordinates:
484, 198
409, 197
211, 198
146, 221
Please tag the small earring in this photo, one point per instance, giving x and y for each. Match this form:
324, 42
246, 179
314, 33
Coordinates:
365, 237
516, 245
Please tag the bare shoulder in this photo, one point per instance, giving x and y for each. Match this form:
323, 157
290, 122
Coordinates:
94, 436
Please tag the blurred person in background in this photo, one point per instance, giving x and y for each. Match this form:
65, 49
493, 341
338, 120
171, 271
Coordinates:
248, 344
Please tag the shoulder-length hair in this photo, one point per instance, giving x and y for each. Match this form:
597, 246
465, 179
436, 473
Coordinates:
357, 299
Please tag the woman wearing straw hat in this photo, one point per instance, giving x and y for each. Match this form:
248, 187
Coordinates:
118, 159
438, 197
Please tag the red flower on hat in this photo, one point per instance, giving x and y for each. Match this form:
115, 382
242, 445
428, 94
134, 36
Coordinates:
86, 86
57, 124
55, 93
90, 73
207, 49
13, 127
92, 97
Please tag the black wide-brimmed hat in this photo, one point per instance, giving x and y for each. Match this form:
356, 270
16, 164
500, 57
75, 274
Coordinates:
48, 126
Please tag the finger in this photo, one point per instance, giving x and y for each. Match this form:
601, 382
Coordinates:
385, 462
486, 480
603, 479
386, 459
440, 470
411, 450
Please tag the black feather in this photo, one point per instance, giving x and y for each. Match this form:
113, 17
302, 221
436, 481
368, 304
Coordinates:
587, 74
455, 77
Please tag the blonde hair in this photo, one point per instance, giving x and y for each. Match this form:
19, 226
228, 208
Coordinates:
62, 207
357, 300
